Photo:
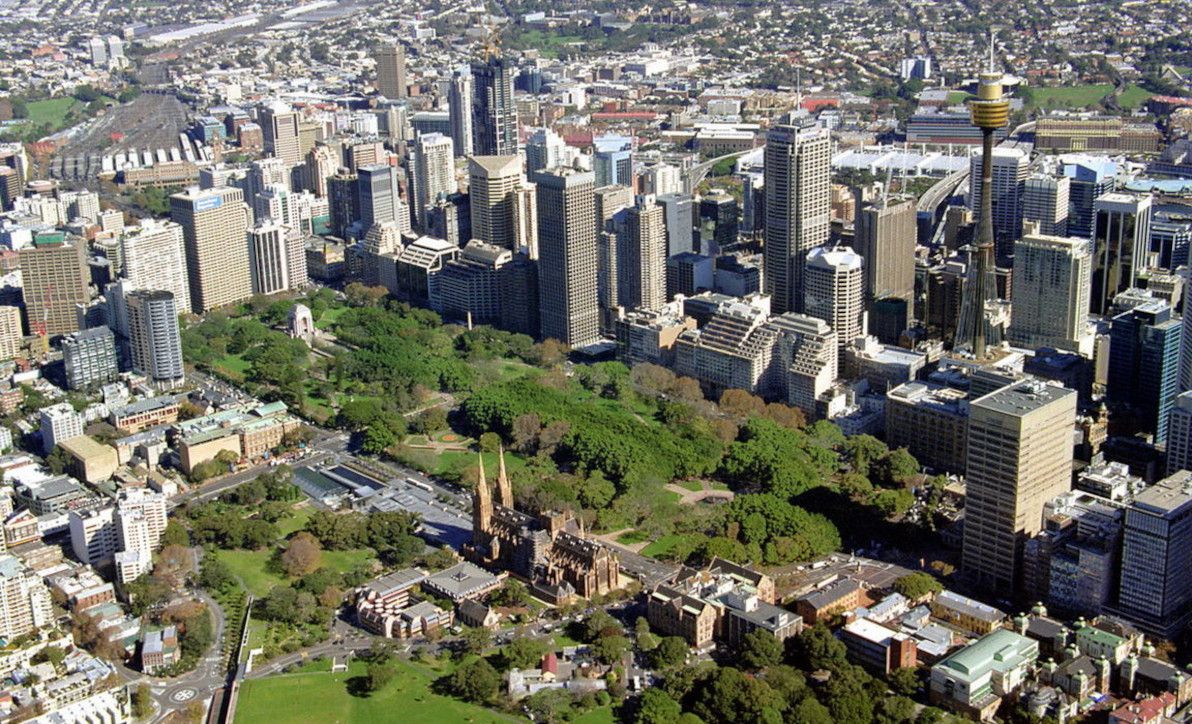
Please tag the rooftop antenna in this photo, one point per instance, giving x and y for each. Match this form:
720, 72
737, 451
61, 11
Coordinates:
991, 33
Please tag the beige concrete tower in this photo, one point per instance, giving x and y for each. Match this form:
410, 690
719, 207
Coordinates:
493, 184
391, 71
215, 225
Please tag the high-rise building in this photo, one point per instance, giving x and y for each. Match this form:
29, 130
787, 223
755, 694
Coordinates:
1045, 201
459, 100
155, 258
1009, 181
10, 332
141, 519
1121, 240
469, 285
1050, 293
885, 239
380, 200
279, 124
1019, 457
833, 284
798, 161
25, 603
1092, 177
519, 296
608, 201
612, 161
264, 173
59, 422
343, 194
567, 300
679, 209
391, 71
215, 225
1156, 590
269, 254
93, 535
54, 279
154, 338
493, 187
807, 353
1179, 434
494, 114
689, 274
321, 164
89, 357
545, 149
434, 173
718, 222
641, 256
1144, 357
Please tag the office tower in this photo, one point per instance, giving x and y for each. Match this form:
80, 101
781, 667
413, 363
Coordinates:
641, 256
418, 268
493, 186
885, 239
321, 164
1050, 293
608, 201
277, 205
718, 222
280, 126
1045, 201
89, 357
1144, 356
99, 52
525, 217
662, 178
567, 302
545, 149
54, 278
84, 205
518, 284
391, 71
1179, 434
1171, 236
1121, 240
798, 161
25, 603
1019, 457
93, 535
264, 173
269, 255
1092, 177
154, 337
469, 285
494, 115
807, 351
613, 160
459, 105
10, 332
689, 274
154, 256
833, 284
368, 153
679, 210
215, 225
343, 192
10, 187
59, 422
1156, 590
379, 197
1009, 182
434, 173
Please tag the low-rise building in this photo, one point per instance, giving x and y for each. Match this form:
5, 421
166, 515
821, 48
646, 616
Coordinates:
836, 597
966, 614
90, 461
143, 414
160, 650
976, 678
461, 582
877, 647
247, 431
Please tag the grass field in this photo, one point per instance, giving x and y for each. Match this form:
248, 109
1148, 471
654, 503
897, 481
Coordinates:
234, 363
662, 545
295, 522
323, 697
1080, 96
328, 318
1134, 96
52, 111
250, 566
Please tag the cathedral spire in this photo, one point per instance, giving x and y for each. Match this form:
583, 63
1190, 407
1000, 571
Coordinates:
503, 486
482, 508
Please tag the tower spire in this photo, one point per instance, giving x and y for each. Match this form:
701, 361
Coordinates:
503, 487
482, 508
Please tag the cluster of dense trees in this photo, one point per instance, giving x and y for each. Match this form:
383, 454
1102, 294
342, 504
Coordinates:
279, 363
390, 534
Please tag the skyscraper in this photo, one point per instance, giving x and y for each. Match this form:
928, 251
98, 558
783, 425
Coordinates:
680, 222
833, 284
1179, 434
154, 338
268, 252
612, 161
494, 115
1144, 356
379, 197
544, 149
1009, 182
1121, 240
459, 100
10, 332
343, 195
641, 256
798, 161
155, 258
434, 173
1156, 590
567, 257
1092, 177
215, 226
494, 181
1050, 293
391, 71
1019, 457
608, 201
279, 124
89, 358
1045, 201
54, 279
885, 239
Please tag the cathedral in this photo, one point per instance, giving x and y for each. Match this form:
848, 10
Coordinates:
549, 550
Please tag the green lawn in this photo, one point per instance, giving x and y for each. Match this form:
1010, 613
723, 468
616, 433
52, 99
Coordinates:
328, 318
234, 363
52, 111
632, 537
1080, 96
324, 698
958, 97
603, 715
250, 566
662, 545
295, 522
1134, 96
693, 485
459, 460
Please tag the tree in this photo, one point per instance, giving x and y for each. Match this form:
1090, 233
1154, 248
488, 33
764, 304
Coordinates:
490, 442
896, 467
523, 652
214, 574
760, 649
379, 673
597, 491
599, 624
513, 593
918, 585
894, 710
302, 556
476, 681
816, 648
671, 651
57, 460
476, 639
142, 702
904, 681
610, 649
810, 711
175, 534
657, 707
730, 696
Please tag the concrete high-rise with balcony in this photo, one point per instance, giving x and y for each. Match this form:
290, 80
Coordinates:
797, 178
155, 341
567, 299
609, 202
808, 358
1121, 240
10, 332
833, 290
59, 422
1156, 590
494, 113
391, 70
885, 239
89, 358
215, 225
641, 256
155, 258
434, 173
140, 519
1009, 181
1019, 457
545, 149
1052, 275
279, 125
54, 279
494, 182
469, 285
93, 535
25, 603
459, 100
1045, 202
